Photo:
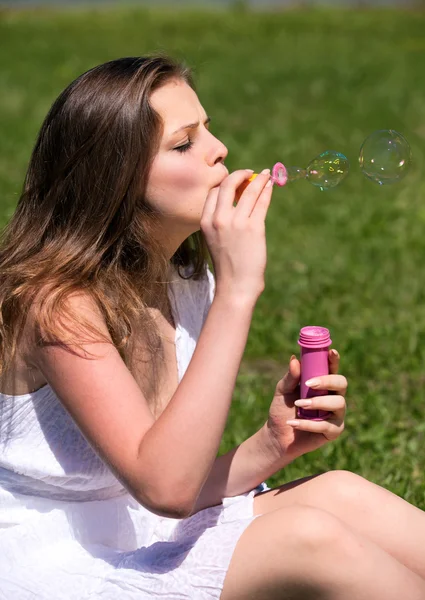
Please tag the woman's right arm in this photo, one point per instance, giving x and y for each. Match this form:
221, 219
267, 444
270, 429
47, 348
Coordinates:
165, 463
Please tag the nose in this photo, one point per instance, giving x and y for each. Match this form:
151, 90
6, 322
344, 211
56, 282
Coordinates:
218, 152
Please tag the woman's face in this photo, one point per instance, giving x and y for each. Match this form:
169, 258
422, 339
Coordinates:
189, 163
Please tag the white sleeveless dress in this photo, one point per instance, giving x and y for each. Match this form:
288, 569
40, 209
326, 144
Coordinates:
69, 530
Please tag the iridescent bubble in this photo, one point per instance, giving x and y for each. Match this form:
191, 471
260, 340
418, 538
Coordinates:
328, 169
295, 173
385, 156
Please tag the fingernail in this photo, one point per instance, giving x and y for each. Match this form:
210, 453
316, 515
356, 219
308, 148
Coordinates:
293, 357
312, 382
293, 422
265, 172
334, 352
303, 403
249, 170
269, 183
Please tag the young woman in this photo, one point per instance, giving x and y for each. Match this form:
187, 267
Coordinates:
119, 358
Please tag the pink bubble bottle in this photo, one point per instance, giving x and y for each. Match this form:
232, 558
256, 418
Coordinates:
315, 343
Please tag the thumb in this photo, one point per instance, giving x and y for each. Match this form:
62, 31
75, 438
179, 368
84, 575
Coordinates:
291, 379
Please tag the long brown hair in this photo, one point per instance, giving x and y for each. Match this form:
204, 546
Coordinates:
82, 222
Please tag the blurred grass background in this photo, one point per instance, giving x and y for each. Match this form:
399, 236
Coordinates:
284, 86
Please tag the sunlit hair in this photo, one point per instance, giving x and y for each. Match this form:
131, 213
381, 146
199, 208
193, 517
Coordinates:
82, 223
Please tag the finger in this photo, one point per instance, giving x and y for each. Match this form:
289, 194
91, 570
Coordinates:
262, 205
329, 429
243, 187
333, 361
334, 383
209, 207
227, 191
252, 194
334, 404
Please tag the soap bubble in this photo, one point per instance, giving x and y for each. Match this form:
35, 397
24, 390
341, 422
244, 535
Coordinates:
325, 171
295, 173
328, 169
385, 156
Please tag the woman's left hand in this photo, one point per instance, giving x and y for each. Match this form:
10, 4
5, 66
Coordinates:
293, 436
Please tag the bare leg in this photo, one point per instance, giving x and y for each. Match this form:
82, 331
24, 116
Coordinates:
367, 509
302, 553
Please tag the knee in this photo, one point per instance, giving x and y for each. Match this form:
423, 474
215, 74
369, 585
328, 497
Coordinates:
315, 531
345, 486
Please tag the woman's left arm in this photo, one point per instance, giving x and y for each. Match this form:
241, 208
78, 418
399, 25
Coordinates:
281, 439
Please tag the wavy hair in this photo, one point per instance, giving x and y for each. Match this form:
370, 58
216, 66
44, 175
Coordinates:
82, 222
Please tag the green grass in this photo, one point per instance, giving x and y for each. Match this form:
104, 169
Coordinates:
285, 87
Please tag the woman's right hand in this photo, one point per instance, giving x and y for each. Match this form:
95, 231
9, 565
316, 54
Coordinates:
235, 235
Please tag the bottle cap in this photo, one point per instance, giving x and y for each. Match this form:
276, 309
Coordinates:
314, 337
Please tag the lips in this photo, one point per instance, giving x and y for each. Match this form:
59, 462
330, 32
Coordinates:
223, 177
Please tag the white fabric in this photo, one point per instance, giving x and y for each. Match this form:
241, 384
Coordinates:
70, 531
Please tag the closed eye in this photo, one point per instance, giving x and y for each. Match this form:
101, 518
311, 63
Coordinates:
188, 145
184, 147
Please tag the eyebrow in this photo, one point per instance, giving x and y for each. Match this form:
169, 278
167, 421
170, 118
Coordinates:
192, 125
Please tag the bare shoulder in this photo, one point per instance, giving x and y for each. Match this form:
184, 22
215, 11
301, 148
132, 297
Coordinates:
76, 336
75, 324
23, 374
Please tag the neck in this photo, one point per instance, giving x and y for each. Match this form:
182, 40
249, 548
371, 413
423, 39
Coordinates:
172, 238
